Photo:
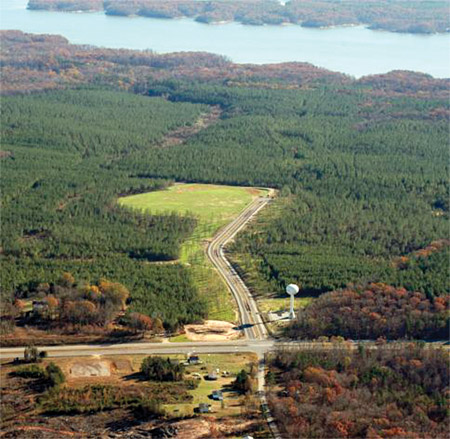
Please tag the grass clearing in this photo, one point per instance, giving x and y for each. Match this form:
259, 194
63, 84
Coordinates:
232, 404
214, 206
182, 338
282, 304
124, 366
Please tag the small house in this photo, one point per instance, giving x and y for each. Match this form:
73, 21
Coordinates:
194, 359
39, 305
203, 408
217, 395
212, 376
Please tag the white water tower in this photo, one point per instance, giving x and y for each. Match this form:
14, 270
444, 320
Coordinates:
292, 290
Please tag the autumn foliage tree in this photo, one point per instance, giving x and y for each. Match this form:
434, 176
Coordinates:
387, 393
374, 311
85, 304
140, 322
114, 293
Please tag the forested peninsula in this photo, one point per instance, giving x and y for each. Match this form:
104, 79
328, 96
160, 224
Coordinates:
360, 166
411, 16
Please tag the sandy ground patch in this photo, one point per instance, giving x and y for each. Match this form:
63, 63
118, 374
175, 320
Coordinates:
209, 427
121, 366
90, 368
212, 330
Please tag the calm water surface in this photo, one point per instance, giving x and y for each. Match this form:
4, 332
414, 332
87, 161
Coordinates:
353, 50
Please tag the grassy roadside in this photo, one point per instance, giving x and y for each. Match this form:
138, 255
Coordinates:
214, 206
269, 299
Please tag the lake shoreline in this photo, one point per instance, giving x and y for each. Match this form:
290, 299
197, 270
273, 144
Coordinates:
407, 20
352, 50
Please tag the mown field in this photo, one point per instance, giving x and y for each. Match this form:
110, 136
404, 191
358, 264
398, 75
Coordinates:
213, 206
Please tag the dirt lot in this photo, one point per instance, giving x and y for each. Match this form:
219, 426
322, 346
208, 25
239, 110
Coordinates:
212, 330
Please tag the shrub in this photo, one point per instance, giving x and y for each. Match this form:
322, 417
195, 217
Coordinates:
31, 354
160, 369
54, 375
31, 371
148, 408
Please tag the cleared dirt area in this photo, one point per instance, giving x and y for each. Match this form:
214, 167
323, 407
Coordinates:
212, 330
24, 336
90, 369
24, 401
97, 368
180, 135
212, 427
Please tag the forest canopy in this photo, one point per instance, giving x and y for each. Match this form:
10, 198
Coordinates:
376, 311
384, 393
59, 210
361, 169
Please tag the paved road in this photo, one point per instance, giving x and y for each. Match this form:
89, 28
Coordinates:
253, 326
250, 318
259, 347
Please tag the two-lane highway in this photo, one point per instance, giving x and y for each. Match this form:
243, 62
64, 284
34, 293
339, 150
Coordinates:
146, 348
251, 321
259, 347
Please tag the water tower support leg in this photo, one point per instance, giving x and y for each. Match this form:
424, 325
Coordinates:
291, 311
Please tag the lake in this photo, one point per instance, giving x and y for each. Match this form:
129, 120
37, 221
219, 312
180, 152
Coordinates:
356, 50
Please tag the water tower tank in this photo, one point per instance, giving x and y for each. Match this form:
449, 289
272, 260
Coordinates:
292, 289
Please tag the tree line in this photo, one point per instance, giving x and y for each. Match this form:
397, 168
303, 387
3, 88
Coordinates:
357, 188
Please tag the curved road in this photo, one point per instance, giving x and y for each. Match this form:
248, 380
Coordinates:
251, 321
250, 318
252, 324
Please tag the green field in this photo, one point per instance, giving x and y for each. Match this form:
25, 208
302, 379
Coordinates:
214, 206
280, 304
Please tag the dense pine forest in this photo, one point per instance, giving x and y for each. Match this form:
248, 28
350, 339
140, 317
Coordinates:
360, 166
59, 211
